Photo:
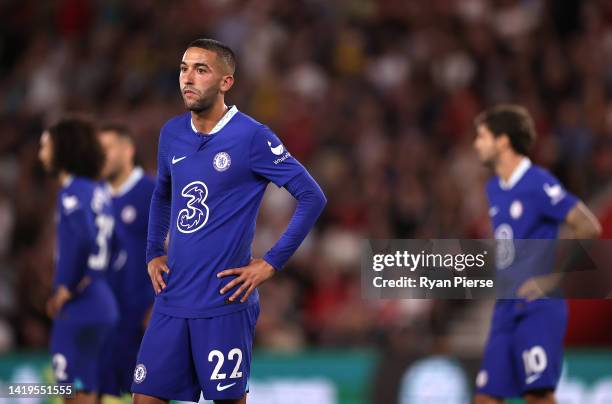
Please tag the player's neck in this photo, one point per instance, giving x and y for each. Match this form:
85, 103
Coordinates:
205, 121
507, 164
118, 181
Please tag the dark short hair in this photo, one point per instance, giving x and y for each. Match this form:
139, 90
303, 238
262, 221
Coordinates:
223, 51
76, 148
121, 130
513, 121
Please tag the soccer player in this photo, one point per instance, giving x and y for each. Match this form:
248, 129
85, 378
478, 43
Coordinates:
524, 352
82, 305
131, 192
214, 164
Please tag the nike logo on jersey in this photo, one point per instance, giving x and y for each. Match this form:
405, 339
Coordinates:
278, 150
176, 160
532, 378
554, 192
221, 388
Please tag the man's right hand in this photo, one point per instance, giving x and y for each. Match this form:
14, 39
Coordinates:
57, 301
155, 267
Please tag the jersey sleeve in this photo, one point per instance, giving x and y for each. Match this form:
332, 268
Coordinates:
553, 200
73, 252
310, 204
271, 160
159, 213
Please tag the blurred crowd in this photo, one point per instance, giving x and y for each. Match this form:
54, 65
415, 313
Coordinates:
375, 97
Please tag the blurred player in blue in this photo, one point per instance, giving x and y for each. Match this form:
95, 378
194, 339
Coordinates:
524, 352
214, 164
82, 306
131, 192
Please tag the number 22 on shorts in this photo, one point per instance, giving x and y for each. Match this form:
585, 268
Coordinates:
218, 355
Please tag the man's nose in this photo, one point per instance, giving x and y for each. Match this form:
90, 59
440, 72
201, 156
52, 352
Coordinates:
187, 77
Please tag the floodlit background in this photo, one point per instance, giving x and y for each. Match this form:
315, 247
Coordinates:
377, 99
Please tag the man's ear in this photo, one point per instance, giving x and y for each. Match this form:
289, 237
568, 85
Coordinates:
226, 83
503, 141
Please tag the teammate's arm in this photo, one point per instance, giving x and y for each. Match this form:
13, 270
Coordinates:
585, 226
159, 221
583, 223
72, 260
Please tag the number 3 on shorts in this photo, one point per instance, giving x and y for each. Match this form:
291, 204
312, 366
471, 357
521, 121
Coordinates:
217, 355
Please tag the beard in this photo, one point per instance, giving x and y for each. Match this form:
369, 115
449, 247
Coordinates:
489, 161
203, 102
112, 175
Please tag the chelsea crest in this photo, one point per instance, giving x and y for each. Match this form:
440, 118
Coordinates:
222, 161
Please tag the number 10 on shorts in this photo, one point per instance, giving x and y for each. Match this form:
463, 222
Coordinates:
216, 355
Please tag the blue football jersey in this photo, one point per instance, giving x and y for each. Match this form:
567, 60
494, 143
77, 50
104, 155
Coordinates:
84, 232
215, 183
532, 205
128, 270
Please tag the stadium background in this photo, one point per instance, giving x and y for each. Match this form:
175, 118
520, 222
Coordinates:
376, 98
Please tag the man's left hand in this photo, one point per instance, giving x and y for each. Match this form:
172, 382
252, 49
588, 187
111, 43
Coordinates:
257, 272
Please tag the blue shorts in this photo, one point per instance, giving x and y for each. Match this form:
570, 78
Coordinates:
181, 357
120, 353
76, 352
525, 348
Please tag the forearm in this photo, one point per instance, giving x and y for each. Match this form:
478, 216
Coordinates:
159, 219
586, 233
73, 253
311, 201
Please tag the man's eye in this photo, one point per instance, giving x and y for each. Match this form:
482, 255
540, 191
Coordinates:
201, 71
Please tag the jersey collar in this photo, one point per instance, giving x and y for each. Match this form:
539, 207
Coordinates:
128, 184
222, 122
517, 174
